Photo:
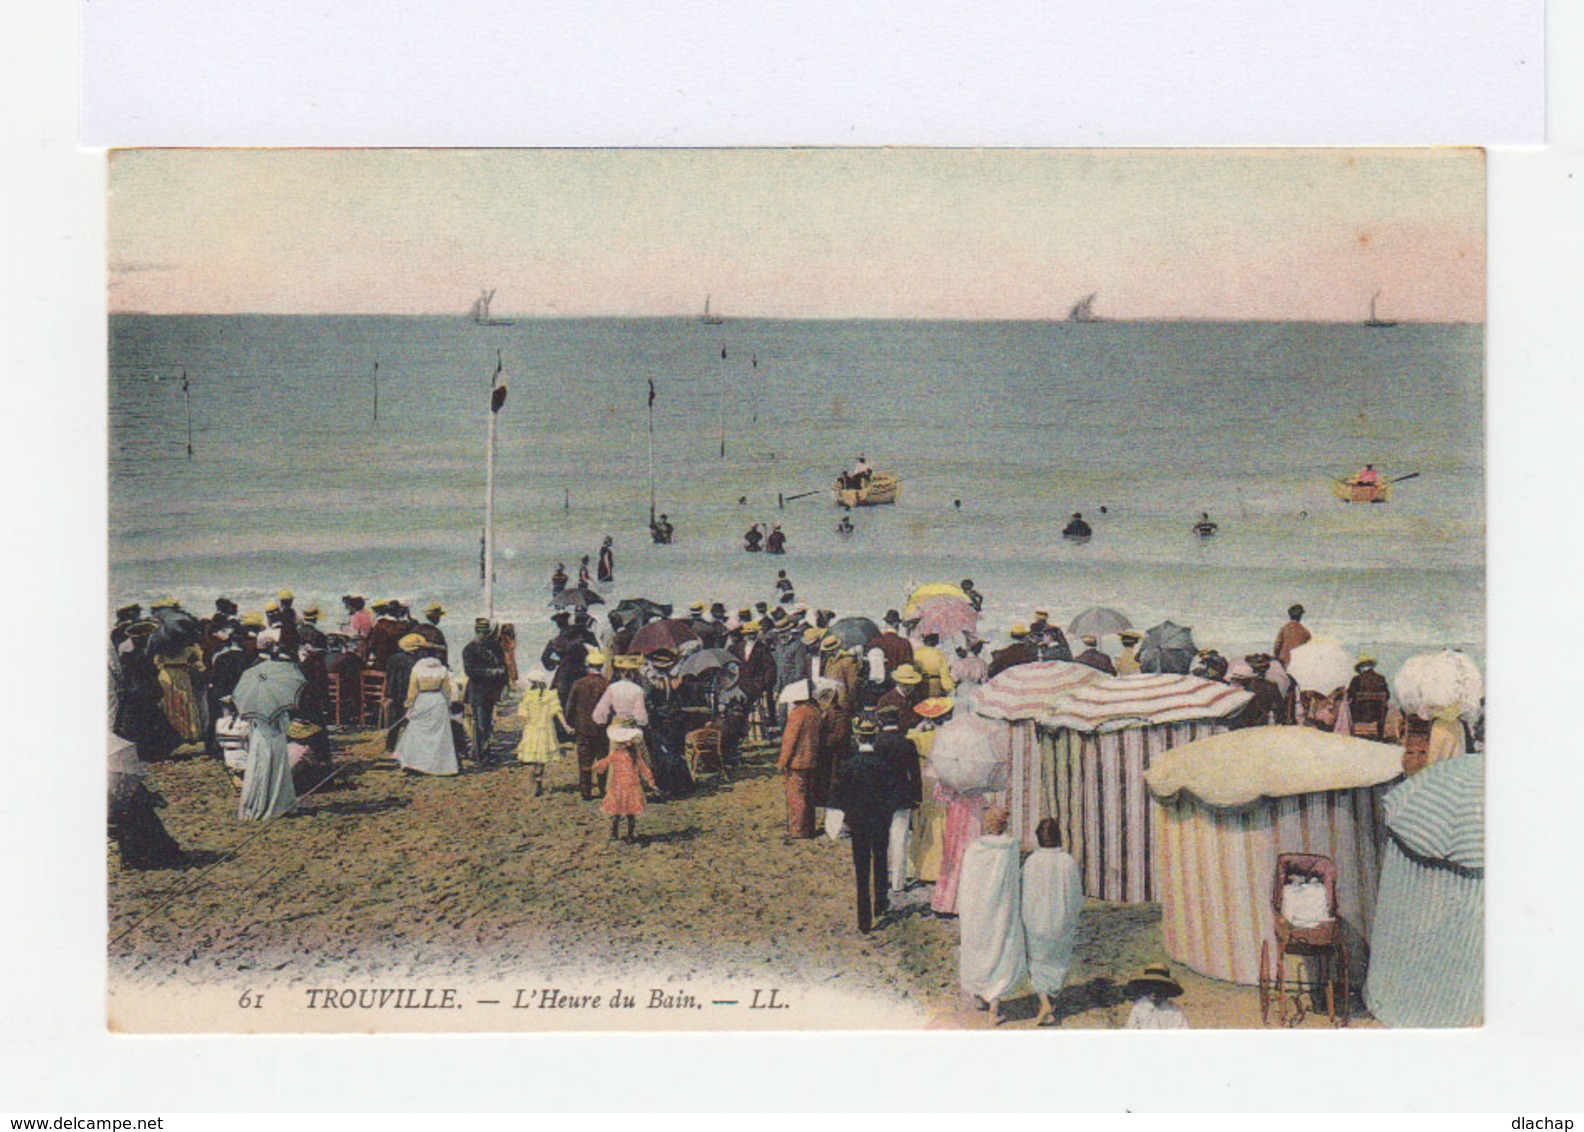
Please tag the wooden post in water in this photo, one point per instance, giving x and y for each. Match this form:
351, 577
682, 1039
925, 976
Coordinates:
376, 392
497, 399
187, 402
651, 455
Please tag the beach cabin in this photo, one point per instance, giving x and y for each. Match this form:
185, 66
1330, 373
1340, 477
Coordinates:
1428, 963
1016, 698
1225, 808
1095, 742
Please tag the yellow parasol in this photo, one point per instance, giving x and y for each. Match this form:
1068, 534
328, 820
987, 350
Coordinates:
932, 589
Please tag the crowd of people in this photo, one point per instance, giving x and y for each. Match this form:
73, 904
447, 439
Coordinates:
852, 717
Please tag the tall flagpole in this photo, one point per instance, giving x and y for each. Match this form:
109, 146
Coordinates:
497, 399
376, 391
651, 454
724, 379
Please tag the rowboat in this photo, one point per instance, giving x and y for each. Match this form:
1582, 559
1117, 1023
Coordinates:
1349, 491
883, 487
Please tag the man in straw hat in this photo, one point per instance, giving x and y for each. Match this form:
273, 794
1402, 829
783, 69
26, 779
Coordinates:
1127, 662
1152, 990
1093, 656
899, 752
1020, 651
1053, 898
908, 691
993, 959
868, 793
668, 725
430, 629
1368, 695
287, 622
485, 668
589, 735
897, 649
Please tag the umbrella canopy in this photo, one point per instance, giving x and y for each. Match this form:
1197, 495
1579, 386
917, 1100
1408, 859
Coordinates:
1116, 702
662, 634
1276, 674
268, 690
800, 690
1167, 648
578, 597
705, 661
1322, 665
854, 632
1440, 680
932, 589
177, 630
966, 757
945, 615
638, 611
1439, 813
1100, 621
1028, 690
1236, 768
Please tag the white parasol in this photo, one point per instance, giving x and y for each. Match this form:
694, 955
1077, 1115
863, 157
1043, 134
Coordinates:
806, 689
1321, 665
964, 757
1438, 680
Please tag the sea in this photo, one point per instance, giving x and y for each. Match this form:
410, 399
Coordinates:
999, 432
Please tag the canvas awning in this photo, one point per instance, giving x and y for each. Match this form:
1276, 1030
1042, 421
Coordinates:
1026, 691
1239, 767
1116, 702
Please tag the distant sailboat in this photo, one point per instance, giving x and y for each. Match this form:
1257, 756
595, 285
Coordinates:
1372, 320
707, 318
481, 310
1083, 310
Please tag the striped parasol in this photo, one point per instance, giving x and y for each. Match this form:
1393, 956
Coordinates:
944, 615
1113, 703
1026, 691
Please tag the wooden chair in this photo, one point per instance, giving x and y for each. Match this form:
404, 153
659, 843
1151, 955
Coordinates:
334, 693
704, 751
374, 710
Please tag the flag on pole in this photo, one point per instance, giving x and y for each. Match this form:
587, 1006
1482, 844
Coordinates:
498, 386
651, 392
185, 385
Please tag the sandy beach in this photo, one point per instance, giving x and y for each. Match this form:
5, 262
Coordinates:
382, 880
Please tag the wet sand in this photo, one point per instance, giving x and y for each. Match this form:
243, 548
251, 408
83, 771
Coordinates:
385, 879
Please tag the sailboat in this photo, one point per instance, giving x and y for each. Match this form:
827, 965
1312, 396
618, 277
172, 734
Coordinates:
480, 313
707, 318
1083, 310
1372, 320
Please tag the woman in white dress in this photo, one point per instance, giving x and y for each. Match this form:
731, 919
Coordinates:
426, 745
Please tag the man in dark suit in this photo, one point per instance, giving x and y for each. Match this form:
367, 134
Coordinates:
1020, 651
868, 792
902, 755
486, 678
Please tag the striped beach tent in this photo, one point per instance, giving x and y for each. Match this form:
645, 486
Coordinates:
1427, 964
1095, 743
1228, 805
1015, 698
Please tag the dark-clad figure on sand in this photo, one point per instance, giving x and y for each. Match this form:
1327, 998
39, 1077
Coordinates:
868, 791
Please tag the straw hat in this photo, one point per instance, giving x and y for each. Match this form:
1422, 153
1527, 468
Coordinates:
311, 613
284, 595
934, 707
251, 620
830, 642
1364, 662
163, 603
412, 642
865, 727
300, 729
1090, 639
595, 659
536, 675
662, 659
1155, 979
749, 628
481, 624
1019, 630
1130, 636
272, 607
907, 674
628, 661
145, 628
697, 607
812, 635
1042, 613
434, 608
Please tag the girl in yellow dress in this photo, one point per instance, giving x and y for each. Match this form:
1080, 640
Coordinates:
540, 712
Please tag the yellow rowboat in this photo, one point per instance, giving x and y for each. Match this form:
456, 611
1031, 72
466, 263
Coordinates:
1349, 492
882, 487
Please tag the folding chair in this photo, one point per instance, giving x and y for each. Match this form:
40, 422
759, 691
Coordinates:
704, 751
374, 711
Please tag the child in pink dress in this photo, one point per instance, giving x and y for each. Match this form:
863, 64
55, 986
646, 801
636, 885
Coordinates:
628, 769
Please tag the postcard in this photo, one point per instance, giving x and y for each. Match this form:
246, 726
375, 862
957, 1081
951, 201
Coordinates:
795, 589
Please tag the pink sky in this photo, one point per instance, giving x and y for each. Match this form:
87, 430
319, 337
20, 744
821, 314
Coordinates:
905, 233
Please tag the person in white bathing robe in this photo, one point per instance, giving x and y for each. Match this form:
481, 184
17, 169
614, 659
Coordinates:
989, 909
1053, 898
1152, 991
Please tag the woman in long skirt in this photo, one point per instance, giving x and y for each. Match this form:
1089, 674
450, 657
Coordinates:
628, 770
540, 712
964, 822
267, 790
426, 746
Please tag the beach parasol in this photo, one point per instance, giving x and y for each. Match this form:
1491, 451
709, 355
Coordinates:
177, 630
662, 634
931, 589
1322, 665
945, 615
1099, 621
638, 611
1440, 680
578, 597
1115, 703
705, 661
800, 690
854, 632
1167, 648
964, 758
268, 690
